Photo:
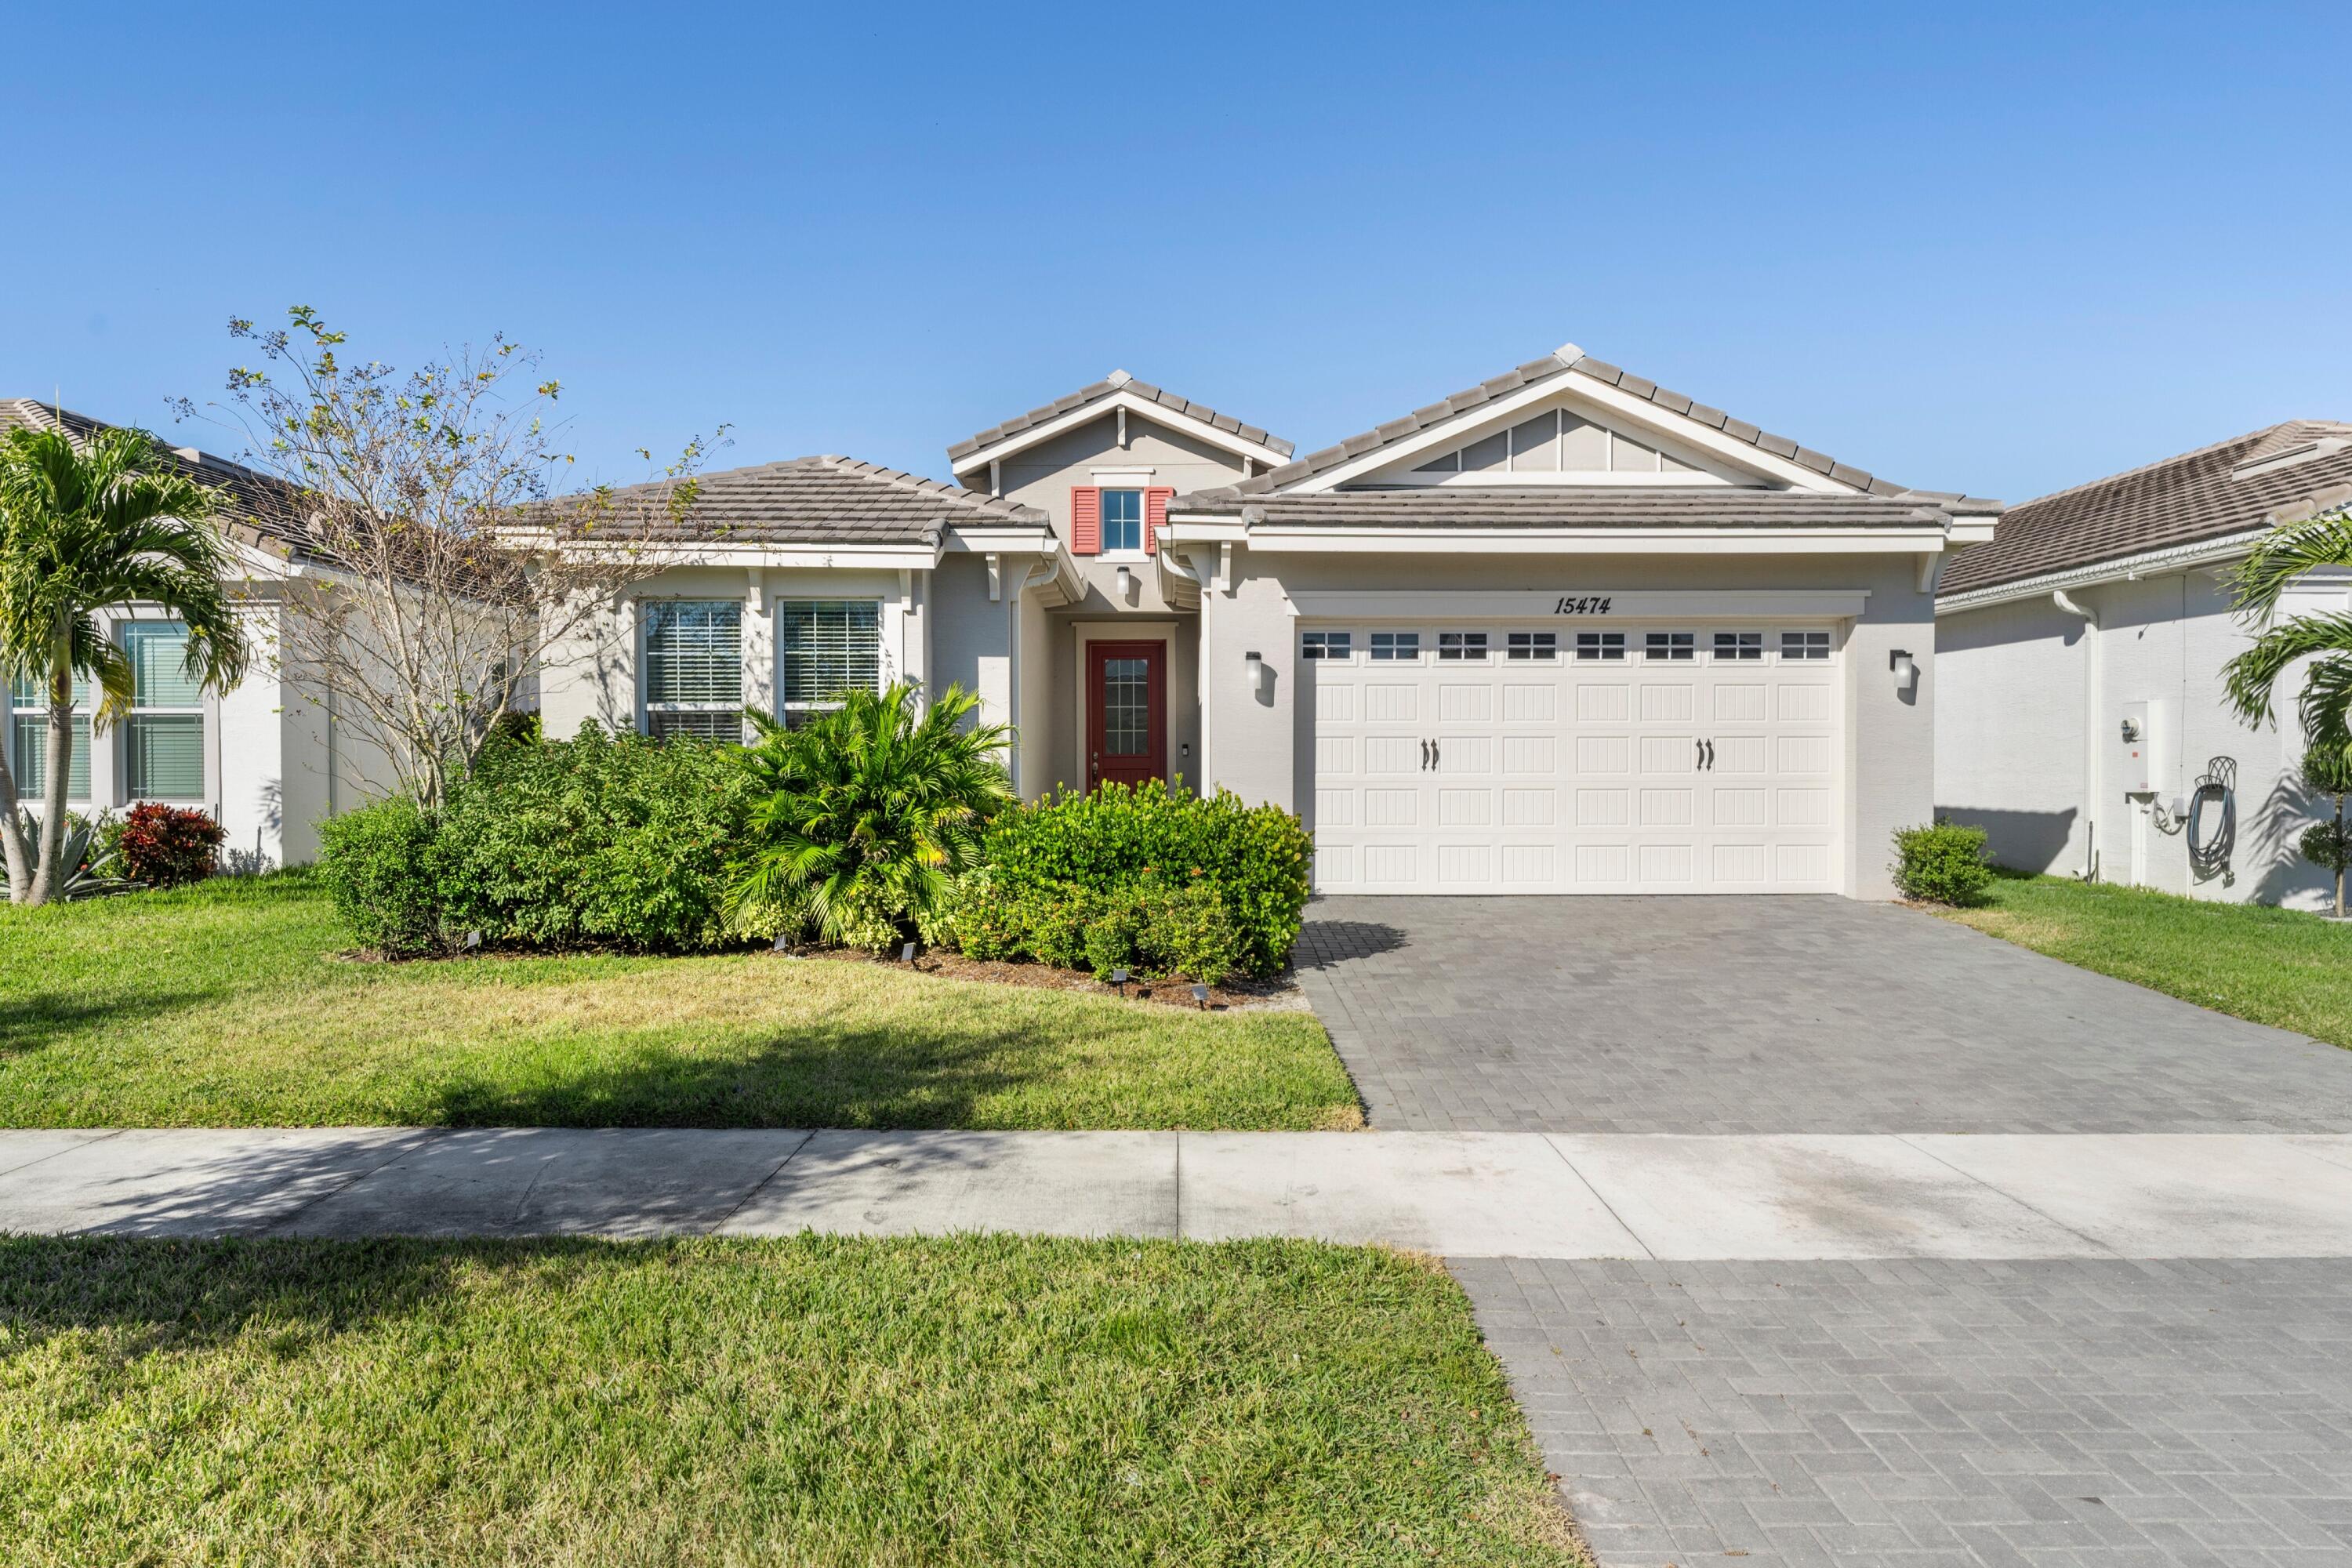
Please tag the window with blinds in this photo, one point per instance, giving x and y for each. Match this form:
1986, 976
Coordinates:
692, 677
164, 739
28, 740
827, 647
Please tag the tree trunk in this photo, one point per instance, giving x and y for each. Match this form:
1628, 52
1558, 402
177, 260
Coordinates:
13, 846
2339, 864
48, 876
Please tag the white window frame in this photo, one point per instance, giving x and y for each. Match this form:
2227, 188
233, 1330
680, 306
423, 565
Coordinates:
30, 780
646, 705
126, 746
1806, 646
1328, 644
1742, 651
1468, 648
785, 708
1402, 647
1659, 646
1103, 492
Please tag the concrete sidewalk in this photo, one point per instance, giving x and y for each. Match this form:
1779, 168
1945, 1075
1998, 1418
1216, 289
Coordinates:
1464, 1195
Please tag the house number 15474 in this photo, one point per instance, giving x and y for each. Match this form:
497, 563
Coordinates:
1591, 605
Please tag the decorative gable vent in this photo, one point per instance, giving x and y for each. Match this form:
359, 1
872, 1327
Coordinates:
1557, 442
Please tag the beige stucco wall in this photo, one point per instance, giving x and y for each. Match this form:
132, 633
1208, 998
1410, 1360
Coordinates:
1262, 739
592, 676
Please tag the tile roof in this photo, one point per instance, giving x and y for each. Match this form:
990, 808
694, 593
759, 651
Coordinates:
1559, 362
1693, 506
832, 500
257, 508
2183, 500
1117, 381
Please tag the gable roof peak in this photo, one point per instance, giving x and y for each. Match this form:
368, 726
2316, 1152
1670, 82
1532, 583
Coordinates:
1567, 359
1023, 428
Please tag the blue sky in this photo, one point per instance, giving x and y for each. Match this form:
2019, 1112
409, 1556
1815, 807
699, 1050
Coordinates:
2002, 249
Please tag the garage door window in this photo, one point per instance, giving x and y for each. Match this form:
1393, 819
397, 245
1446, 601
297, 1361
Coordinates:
1600, 645
1532, 645
1742, 646
1804, 645
1461, 645
1325, 645
1405, 645
1680, 647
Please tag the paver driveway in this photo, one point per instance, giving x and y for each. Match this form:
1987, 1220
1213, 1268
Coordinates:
1779, 1014
2099, 1408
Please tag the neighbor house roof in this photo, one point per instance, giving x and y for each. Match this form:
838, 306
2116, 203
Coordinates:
1564, 361
1102, 391
2231, 487
831, 499
1715, 506
257, 508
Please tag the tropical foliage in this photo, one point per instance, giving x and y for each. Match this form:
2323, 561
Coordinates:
866, 814
87, 526
2323, 637
2327, 843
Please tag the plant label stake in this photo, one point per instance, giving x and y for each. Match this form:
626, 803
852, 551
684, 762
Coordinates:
473, 940
906, 953
1201, 994
1119, 978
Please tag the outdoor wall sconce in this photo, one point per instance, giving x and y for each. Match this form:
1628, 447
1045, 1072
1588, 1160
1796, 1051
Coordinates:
1126, 582
1905, 668
1253, 665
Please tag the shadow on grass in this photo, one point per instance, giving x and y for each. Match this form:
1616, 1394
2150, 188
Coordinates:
815, 1074
188, 1293
34, 1022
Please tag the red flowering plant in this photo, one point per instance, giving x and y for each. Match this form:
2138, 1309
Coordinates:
164, 846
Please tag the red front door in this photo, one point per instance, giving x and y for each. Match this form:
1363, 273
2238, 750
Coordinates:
1127, 712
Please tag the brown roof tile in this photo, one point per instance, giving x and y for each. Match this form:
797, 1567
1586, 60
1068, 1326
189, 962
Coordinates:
2179, 500
1117, 381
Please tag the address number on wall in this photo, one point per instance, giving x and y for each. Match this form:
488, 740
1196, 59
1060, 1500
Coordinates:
1589, 604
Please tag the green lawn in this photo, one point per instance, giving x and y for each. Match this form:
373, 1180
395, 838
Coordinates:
227, 1005
2273, 966
976, 1400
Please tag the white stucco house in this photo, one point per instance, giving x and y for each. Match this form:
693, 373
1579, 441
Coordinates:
267, 760
2082, 719
1564, 632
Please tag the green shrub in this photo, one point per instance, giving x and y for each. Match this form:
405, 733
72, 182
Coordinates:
598, 841
866, 817
1211, 863
380, 865
1943, 863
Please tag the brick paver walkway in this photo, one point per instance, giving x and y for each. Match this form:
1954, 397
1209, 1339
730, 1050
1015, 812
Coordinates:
1787, 1015
2053, 1412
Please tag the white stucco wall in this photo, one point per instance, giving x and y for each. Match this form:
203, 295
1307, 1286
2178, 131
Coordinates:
2026, 685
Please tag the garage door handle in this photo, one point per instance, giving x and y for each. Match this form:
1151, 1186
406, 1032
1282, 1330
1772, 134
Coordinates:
1425, 756
1710, 756
1433, 753
1698, 764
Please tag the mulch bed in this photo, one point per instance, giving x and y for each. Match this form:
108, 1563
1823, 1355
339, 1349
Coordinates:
1239, 993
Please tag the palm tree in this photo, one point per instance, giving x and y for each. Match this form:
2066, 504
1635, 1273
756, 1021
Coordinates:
85, 527
868, 810
2325, 638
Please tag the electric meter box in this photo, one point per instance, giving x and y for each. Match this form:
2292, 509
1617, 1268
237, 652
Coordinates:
2141, 748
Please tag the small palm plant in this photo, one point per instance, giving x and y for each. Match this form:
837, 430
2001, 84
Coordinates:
2325, 638
867, 813
2327, 843
85, 527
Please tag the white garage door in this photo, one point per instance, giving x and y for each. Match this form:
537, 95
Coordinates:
1649, 759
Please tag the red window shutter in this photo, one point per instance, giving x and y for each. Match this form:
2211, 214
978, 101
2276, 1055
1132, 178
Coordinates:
1155, 518
1086, 519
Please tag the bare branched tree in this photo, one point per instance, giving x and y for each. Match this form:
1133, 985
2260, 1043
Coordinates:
442, 557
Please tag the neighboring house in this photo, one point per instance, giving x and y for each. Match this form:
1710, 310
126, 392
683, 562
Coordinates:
265, 758
1563, 632
2108, 603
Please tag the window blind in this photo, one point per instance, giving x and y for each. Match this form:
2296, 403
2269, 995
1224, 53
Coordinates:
28, 738
829, 647
694, 652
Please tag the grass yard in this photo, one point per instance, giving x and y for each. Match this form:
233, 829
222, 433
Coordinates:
2271, 966
223, 1004
816, 1401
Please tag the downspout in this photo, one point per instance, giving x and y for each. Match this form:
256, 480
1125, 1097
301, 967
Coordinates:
2091, 672
1173, 563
